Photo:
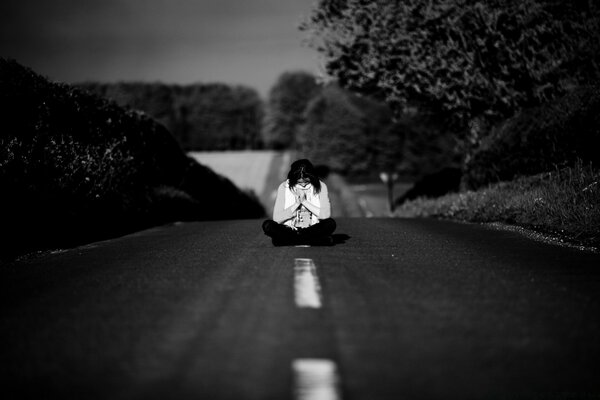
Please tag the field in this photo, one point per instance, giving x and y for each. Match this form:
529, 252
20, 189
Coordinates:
259, 172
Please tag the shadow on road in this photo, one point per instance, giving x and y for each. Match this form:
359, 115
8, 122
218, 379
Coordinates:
340, 238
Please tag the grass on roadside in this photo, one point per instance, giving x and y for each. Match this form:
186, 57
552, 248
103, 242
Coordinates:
564, 203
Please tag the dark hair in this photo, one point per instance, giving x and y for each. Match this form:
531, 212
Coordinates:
303, 169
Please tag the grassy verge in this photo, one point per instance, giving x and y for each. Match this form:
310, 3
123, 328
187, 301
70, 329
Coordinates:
564, 203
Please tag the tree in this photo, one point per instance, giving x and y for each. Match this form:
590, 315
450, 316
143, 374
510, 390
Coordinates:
249, 111
285, 109
350, 134
222, 117
334, 133
471, 62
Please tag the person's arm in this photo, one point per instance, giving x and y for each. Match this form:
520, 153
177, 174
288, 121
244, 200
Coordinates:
281, 214
324, 211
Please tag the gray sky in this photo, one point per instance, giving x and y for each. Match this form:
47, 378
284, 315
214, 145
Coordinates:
248, 42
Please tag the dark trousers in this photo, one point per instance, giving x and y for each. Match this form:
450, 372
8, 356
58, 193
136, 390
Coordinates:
282, 234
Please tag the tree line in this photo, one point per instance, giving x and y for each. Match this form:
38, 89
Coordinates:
413, 86
468, 61
466, 66
210, 116
350, 134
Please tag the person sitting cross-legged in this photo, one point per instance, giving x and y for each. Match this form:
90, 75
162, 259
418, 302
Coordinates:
302, 212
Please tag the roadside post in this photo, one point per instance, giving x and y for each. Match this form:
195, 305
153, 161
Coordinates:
388, 178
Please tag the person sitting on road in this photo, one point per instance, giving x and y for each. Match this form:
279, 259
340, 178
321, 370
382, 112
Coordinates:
302, 212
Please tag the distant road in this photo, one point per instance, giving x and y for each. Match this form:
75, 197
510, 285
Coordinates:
397, 309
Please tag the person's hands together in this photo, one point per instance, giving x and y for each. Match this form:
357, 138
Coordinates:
301, 197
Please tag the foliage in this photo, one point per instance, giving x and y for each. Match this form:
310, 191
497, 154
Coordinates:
333, 133
351, 135
540, 139
219, 117
75, 167
287, 102
427, 147
472, 62
439, 183
565, 203
200, 116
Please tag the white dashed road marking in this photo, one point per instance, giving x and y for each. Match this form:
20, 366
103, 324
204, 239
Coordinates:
307, 289
315, 379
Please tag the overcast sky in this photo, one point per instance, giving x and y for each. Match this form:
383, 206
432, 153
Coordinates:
248, 42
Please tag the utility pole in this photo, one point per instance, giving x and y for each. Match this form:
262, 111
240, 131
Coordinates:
388, 178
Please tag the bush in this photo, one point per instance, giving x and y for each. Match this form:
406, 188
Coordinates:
444, 181
563, 203
75, 168
540, 140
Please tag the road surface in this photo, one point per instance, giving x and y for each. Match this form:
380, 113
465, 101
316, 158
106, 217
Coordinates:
397, 309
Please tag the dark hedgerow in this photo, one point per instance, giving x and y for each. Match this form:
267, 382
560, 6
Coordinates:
75, 167
541, 139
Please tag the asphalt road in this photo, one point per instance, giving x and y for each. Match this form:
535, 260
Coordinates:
409, 309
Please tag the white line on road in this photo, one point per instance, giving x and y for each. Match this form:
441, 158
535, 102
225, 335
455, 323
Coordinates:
307, 289
315, 379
